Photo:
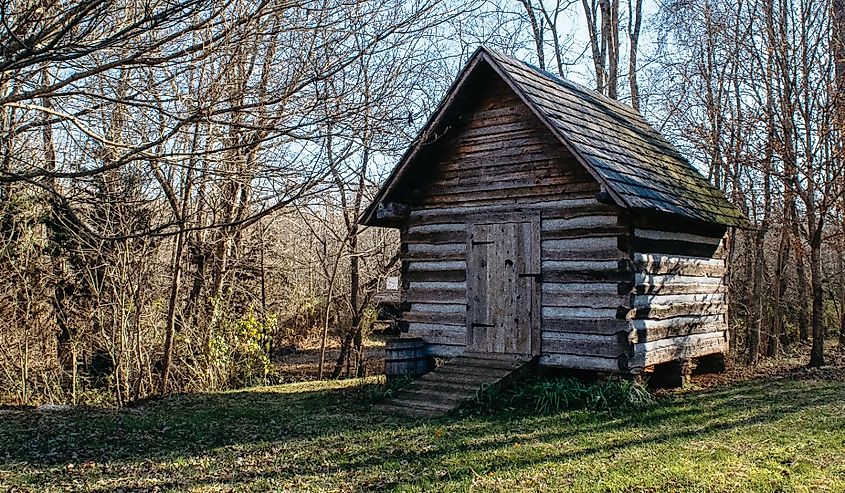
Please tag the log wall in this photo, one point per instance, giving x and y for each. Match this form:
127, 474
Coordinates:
617, 293
501, 159
679, 298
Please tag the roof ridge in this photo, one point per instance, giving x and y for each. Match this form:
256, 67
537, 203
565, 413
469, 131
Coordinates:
613, 142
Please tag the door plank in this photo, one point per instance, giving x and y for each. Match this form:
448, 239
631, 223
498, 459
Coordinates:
503, 308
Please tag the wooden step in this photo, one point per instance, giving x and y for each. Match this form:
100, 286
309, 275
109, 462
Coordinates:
437, 396
454, 382
495, 356
458, 375
475, 371
443, 385
415, 402
494, 364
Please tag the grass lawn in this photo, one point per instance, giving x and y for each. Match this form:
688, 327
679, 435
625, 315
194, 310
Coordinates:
768, 434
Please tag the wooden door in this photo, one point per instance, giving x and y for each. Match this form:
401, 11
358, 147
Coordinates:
503, 277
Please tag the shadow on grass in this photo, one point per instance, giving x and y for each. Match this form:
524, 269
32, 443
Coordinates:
317, 433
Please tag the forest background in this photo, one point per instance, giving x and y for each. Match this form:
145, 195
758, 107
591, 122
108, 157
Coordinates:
180, 180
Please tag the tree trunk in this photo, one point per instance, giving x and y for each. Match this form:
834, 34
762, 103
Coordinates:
779, 286
596, 44
841, 265
170, 324
536, 31
817, 350
635, 13
801, 274
838, 52
345, 347
756, 319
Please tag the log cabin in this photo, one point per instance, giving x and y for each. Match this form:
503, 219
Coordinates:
543, 219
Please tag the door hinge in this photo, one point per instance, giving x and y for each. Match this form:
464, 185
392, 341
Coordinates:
481, 243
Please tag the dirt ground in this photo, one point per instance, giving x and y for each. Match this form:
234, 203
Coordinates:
791, 364
301, 362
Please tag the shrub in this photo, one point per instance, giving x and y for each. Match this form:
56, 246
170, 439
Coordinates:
544, 396
388, 388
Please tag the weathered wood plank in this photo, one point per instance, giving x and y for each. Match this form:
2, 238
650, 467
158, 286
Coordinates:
678, 265
580, 222
444, 350
655, 334
677, 322
460, 211
644, 301
575, 313
471, 195
457, 296
435, 318
435, 256
672, 247
591, 232
613, 254
679, 288
675, 348
541, 157
579, 362
537, 171
591, 244
436, 228
436, 275
653, 234
606, 326
643, 279
478, 245
450, 335
532, 285
585, 288
580, 265
584, 300
424, 285
441, 307
661, 312
586, 275
437, 266
583, 344
592, 209
434, 249
494, 185
434, 238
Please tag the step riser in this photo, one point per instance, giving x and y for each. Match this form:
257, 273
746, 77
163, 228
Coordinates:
444, 386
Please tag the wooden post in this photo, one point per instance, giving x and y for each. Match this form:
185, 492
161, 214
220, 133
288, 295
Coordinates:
686, 368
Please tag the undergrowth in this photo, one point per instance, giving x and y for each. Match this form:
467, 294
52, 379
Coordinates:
376, 392
553, 395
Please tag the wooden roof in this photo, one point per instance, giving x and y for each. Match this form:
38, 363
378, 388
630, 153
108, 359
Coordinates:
636, 165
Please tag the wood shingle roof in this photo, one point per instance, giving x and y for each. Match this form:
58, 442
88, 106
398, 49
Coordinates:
637, 166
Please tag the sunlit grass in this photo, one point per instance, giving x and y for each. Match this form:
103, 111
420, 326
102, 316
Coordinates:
762, 435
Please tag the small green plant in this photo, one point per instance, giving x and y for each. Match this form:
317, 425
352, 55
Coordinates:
489, 394
381, 391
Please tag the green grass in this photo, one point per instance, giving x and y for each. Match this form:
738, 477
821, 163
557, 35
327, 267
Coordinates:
761, 435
